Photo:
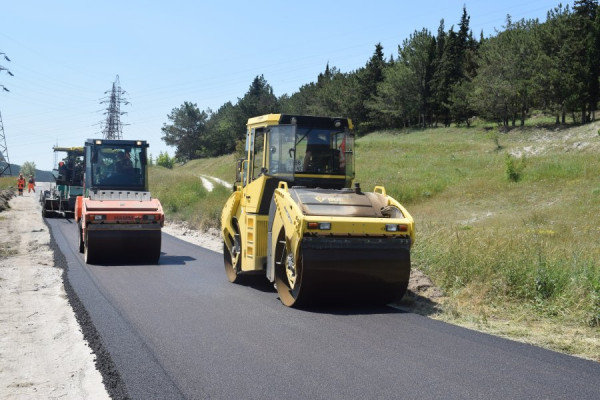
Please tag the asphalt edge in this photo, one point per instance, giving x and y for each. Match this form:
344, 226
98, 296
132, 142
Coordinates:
104, 364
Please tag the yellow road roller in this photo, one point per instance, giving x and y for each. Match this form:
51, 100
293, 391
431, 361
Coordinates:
296, 217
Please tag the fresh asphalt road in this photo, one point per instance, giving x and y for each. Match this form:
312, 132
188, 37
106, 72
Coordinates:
181, 330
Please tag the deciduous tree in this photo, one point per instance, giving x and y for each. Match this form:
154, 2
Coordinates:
186, 131
28, 168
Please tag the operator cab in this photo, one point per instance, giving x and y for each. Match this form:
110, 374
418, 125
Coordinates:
69, 170
301, 150
308, 151
116, 164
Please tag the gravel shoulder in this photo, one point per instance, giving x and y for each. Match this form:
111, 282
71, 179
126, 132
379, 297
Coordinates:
42, 350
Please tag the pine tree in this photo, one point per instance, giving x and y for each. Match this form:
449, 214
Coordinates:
558, 78
186, 131
417, 53
446, 72
258, 100
368, 79
439, 94
587, 54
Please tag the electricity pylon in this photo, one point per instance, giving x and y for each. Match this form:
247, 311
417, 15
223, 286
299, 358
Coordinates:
113, 128
4, 161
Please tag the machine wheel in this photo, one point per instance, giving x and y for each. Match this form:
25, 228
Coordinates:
90, 253
154, 252
81, 244
232, 259
288, 273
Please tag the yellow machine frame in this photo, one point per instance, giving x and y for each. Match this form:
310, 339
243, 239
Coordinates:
253, 221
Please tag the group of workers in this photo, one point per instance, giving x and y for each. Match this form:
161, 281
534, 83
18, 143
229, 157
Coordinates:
21, 184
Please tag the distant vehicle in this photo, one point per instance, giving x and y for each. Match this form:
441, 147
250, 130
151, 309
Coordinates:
60, 199
117, 218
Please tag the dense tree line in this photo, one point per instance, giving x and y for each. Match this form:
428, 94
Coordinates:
434, 80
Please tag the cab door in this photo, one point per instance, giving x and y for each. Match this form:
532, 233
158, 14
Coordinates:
255, 171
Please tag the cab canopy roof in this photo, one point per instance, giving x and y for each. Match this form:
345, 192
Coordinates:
117, 143
78, 151
305, 120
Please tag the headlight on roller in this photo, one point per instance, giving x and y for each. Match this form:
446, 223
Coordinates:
396, 228
324, 226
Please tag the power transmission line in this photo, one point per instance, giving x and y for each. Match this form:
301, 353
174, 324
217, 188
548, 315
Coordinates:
4, 160
113, 128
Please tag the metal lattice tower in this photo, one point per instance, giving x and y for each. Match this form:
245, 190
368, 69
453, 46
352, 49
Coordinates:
4, 161
113, 128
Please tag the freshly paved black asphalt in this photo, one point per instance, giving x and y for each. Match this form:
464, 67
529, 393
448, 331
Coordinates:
180, 330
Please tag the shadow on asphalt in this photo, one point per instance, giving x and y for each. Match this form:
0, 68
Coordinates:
174, 260
411, 303
417, 304
352, 310
258, 282
164, 260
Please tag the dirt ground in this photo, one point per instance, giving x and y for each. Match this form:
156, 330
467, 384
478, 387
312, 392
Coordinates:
42, 351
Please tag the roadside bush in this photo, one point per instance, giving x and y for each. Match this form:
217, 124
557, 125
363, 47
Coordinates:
164, 160
514, 169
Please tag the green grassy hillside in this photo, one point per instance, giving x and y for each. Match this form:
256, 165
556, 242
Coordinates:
507, 223
518, 258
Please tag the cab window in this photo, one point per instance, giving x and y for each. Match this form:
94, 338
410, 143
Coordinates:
257, 162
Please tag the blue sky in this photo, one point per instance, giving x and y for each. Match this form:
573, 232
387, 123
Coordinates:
66, 54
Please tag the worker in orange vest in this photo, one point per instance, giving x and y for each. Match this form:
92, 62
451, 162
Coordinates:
31, 184
21, 184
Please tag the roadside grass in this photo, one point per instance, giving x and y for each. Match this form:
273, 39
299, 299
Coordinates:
184, 198
7, 182
514, 257
6, 250
222, 167
518, 259
417, 166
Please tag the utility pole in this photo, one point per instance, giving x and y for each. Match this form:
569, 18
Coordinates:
113, 128
4, 161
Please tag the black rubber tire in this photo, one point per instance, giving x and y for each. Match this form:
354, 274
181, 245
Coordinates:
81, 244
231, 271
154, 252
90, 252
289, 296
